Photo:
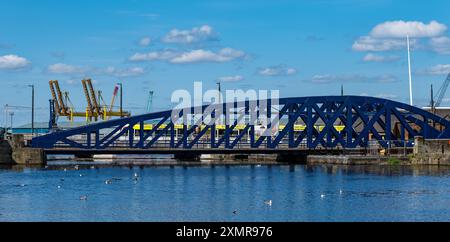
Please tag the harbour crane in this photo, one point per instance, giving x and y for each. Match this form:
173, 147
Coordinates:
150, 101
94, 110
441, 92
60, 104
113, 99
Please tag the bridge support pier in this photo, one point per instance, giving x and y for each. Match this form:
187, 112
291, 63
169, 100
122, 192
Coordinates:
29, 156
13, 151
300, 158
5, 153
187, 157
84, 156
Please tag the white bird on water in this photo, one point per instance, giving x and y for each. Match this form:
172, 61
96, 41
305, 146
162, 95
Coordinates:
108, 181
340, 191
268, 202
322, 195
84, 197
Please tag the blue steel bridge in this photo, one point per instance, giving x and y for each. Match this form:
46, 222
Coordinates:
330, 123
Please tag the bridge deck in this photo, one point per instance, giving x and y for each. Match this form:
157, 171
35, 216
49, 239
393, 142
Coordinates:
75, 151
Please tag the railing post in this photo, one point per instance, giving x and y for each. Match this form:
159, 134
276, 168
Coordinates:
88, 139
97, 139
172, 135
309, 127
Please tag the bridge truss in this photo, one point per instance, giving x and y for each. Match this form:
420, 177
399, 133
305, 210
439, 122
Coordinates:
305, 122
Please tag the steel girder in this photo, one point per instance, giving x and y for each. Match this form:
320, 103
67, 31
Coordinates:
365, 119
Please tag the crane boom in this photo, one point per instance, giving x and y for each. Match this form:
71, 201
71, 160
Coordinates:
55, 98
93, 98
116, 89
442, 91
60, 97
88, 98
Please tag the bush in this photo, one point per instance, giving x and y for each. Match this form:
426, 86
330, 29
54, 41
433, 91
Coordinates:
393, 161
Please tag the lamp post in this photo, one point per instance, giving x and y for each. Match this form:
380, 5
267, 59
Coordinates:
121, 95
220, 92
32, 109
12, 115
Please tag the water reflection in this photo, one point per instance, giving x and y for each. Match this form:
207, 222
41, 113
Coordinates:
224, 193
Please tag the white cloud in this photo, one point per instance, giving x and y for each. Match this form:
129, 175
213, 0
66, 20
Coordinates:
223, 55
192, 56
61, 68
133, 71
391, 35
280, 70
146, 41
437, 70
368, 43
154, 55
327, 78
13, 62
196, 34
386, 96
440, 45
415, 29
379, 58
230, 78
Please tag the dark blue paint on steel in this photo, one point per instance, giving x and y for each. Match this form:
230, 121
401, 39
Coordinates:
366, 119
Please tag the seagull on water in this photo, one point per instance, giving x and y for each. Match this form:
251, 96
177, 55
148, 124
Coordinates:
108, 181
268, 202
84, 197
322, 195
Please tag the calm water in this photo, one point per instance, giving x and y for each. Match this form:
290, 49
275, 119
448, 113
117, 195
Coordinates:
298, 193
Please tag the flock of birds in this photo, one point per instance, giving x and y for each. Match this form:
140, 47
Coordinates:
135, 178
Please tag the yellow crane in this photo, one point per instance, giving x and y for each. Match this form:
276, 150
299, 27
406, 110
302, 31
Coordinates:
61, 106
94, 109
93, 105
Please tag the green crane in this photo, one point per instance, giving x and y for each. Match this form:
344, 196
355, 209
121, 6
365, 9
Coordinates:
150, 101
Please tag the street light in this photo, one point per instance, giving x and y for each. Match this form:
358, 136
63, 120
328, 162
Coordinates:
219, 89
11, 114
121, 95
220, 92
32, 109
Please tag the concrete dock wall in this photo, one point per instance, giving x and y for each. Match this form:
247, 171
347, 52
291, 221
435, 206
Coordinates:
5, 153
353, 160
13, 151
431, 152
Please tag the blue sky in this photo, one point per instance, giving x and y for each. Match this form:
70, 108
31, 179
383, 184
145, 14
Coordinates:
302, 48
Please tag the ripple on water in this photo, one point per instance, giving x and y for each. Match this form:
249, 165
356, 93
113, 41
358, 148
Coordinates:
297, 193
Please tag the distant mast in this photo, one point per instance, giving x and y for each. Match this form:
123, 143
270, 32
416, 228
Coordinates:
409, 72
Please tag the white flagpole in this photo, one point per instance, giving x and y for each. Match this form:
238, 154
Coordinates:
409, 72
